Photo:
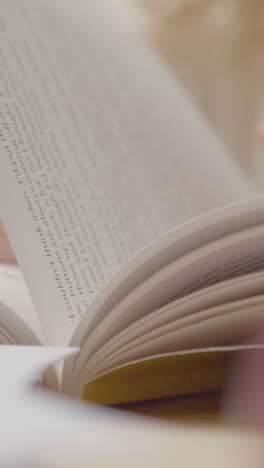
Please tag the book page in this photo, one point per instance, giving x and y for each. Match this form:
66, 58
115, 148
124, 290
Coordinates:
87, 142
41, 427
14, 294
214, 445
168, 445
227, 324
235, 255
220, 294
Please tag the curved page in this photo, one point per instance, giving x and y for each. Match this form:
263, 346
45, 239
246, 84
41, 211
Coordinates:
160, 253
178, 374
221, 325
217, 298
220, 294
101, 152
232, 256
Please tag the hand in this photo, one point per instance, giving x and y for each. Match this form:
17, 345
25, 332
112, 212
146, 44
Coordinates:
245, 396
6, 253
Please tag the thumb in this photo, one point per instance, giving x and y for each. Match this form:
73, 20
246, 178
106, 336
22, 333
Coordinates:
244, 399
6, 252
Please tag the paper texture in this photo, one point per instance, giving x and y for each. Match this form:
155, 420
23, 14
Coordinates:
100, 152
225, 258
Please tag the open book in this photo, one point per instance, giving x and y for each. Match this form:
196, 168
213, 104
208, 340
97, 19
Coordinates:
138, 238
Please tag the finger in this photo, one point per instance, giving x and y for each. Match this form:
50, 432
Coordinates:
6, 252
245, 396
261, 132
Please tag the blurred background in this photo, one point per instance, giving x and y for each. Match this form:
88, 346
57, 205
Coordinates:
216, 49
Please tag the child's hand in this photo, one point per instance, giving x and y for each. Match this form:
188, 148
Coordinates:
6, 253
